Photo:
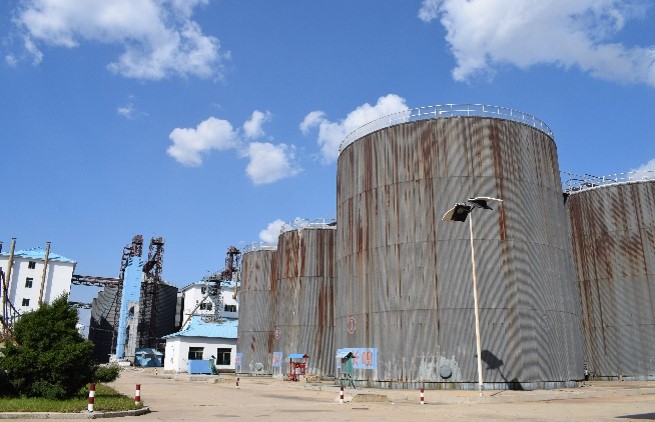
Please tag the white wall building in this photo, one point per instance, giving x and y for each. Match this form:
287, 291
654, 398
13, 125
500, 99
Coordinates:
199, 300
209, 328
200, 340
28, 278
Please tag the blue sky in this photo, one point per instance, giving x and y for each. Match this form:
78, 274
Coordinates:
209, 122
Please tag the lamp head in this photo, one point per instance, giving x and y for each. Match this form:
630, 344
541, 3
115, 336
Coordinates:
483, 201
457, 213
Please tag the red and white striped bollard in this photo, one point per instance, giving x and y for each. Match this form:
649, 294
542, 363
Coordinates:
341, 395
92, 395
137, 394
422, 395
237, 382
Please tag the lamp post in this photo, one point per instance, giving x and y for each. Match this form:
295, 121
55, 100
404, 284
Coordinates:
459, 213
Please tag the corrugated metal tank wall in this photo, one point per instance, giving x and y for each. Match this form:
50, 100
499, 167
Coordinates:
404, 291
613, 235
255, 332
304, 299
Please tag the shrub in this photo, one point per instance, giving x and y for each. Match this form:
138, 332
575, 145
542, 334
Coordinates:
106, 373
51, 359
6, 389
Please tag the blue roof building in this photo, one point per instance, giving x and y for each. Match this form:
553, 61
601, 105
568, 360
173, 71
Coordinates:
203, 339
30, 283
199, 328
38, 253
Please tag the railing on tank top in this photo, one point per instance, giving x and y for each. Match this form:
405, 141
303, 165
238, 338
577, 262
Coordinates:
572, 182
298, 223
445, 110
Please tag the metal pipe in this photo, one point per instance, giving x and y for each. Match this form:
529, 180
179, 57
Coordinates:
478, 343
10, 264
236, 286
45, 272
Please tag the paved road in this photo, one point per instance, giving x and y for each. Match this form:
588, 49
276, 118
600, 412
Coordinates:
263, 399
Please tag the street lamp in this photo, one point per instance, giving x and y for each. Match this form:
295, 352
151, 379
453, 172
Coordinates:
459, 213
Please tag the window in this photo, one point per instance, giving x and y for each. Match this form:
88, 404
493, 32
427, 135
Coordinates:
206, 306
230, 308
28, 282
223, 356
195, 353
26, 302
31, 265
203, 290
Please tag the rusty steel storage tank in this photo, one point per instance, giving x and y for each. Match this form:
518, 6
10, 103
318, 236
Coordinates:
304, 297
612, 226
404, 307
255, 332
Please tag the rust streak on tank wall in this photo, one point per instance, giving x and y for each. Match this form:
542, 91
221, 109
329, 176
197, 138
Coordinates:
404, 275
255, 329
614, 250
304, 303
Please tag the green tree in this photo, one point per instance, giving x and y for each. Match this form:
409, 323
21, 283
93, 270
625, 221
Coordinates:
52, 359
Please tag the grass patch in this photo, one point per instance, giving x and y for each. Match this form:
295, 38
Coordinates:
106, 400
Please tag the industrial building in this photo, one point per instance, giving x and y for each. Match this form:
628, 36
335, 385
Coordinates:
612, 225
542, 286
135, 315
104, 323
210, 311
29, 278
205, 342
204, 299
134, 311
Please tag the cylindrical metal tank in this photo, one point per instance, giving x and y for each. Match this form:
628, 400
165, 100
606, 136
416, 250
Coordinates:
613, 235
255, 332
304, 298
404, 292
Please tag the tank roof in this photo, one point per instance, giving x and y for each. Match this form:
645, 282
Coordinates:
443, 111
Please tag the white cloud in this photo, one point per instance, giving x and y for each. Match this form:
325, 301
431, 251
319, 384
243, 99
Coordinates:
311, 120
645, 170
126, 111
270, 163
331, 134
429, 10
486, 33
158, 36
253, 127
271, 232
190, 143
37, 55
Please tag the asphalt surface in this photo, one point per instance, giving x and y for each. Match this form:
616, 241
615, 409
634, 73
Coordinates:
184, 398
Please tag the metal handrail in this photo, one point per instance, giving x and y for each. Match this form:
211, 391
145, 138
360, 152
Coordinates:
572, 182
298, 223
302, 223
258, 246
445, 110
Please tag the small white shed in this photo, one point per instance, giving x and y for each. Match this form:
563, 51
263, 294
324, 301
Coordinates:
202, 340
